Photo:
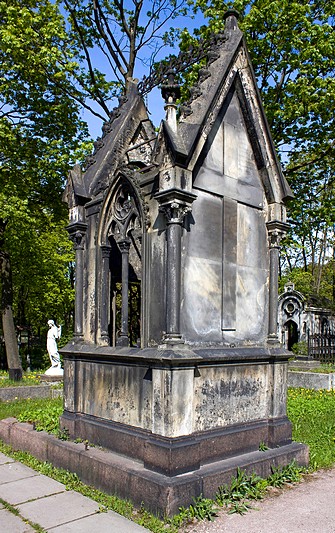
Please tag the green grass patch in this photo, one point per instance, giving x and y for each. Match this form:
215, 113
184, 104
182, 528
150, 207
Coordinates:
28, 378
44, 415
312, 414
43, 412
322, 369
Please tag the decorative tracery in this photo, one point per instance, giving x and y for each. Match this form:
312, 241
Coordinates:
122, 232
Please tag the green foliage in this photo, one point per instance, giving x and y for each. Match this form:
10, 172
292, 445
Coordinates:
312, 415
28, 379
323, 369
242, 487
15, 408
287, 474
41, 135
236, 497
201, 509
317, 286
44, 417
300, 348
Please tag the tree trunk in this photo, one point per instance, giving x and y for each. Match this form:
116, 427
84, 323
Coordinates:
12, 350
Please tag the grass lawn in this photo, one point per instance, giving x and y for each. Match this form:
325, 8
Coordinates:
44, 412
312, 414
29, 378
322, 369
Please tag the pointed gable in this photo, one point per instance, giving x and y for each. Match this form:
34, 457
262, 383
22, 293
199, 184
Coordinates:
224, 126
227, 165
127, 138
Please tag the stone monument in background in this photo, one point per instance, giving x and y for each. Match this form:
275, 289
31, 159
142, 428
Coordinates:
176, 366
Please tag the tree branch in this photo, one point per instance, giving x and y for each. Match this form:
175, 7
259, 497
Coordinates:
87, 56
98, 14
311, 161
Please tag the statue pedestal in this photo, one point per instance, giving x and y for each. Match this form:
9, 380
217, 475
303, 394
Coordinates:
54, 371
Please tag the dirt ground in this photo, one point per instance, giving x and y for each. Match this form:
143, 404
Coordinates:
306, 507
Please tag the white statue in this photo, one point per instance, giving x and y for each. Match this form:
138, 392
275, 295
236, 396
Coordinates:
54, 333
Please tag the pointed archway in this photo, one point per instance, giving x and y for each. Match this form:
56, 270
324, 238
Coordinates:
121, 236
292, 333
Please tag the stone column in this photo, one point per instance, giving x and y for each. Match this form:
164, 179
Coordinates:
105, 293
174, 203
123, 339
175, 216
276, 231
77, 233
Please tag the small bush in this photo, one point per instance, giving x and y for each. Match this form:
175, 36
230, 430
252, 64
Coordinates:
300, 349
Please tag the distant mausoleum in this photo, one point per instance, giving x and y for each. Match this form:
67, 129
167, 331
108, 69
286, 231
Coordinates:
298, 321
176, 365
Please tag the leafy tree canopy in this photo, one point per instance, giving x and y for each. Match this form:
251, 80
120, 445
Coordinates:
41, 134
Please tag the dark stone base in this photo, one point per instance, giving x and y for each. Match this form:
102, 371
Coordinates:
15, 374
173, 456
116, 474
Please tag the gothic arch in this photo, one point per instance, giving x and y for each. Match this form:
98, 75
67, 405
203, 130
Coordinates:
120, 236
292, 333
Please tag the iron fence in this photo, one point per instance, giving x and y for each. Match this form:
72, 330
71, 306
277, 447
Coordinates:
321, 347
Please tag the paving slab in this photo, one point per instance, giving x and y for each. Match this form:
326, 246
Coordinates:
46, 502
24, 490
13, 471
4, 459
109, 522
59, 509
9, 522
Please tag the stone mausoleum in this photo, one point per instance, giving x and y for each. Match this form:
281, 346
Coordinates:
298, 319
176, 367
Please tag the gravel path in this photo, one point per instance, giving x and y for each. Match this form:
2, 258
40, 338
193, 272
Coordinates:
306, 507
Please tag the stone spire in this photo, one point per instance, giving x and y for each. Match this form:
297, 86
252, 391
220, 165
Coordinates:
171, 93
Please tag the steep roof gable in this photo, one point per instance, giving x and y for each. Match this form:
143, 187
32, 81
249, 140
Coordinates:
228, 72
127, 138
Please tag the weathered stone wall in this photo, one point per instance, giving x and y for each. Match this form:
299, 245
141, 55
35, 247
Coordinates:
176, 401
225, 251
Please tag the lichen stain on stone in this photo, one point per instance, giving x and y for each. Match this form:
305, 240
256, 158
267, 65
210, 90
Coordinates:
234, 398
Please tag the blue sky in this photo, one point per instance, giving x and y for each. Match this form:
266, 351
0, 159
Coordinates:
154, 101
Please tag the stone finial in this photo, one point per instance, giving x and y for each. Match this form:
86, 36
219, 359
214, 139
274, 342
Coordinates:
170, 89
231, 17
170, 93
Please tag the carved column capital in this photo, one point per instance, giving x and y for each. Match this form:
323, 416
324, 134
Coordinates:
175, 212
276, 232
105, 251
124, 246
175, 204
77, 232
